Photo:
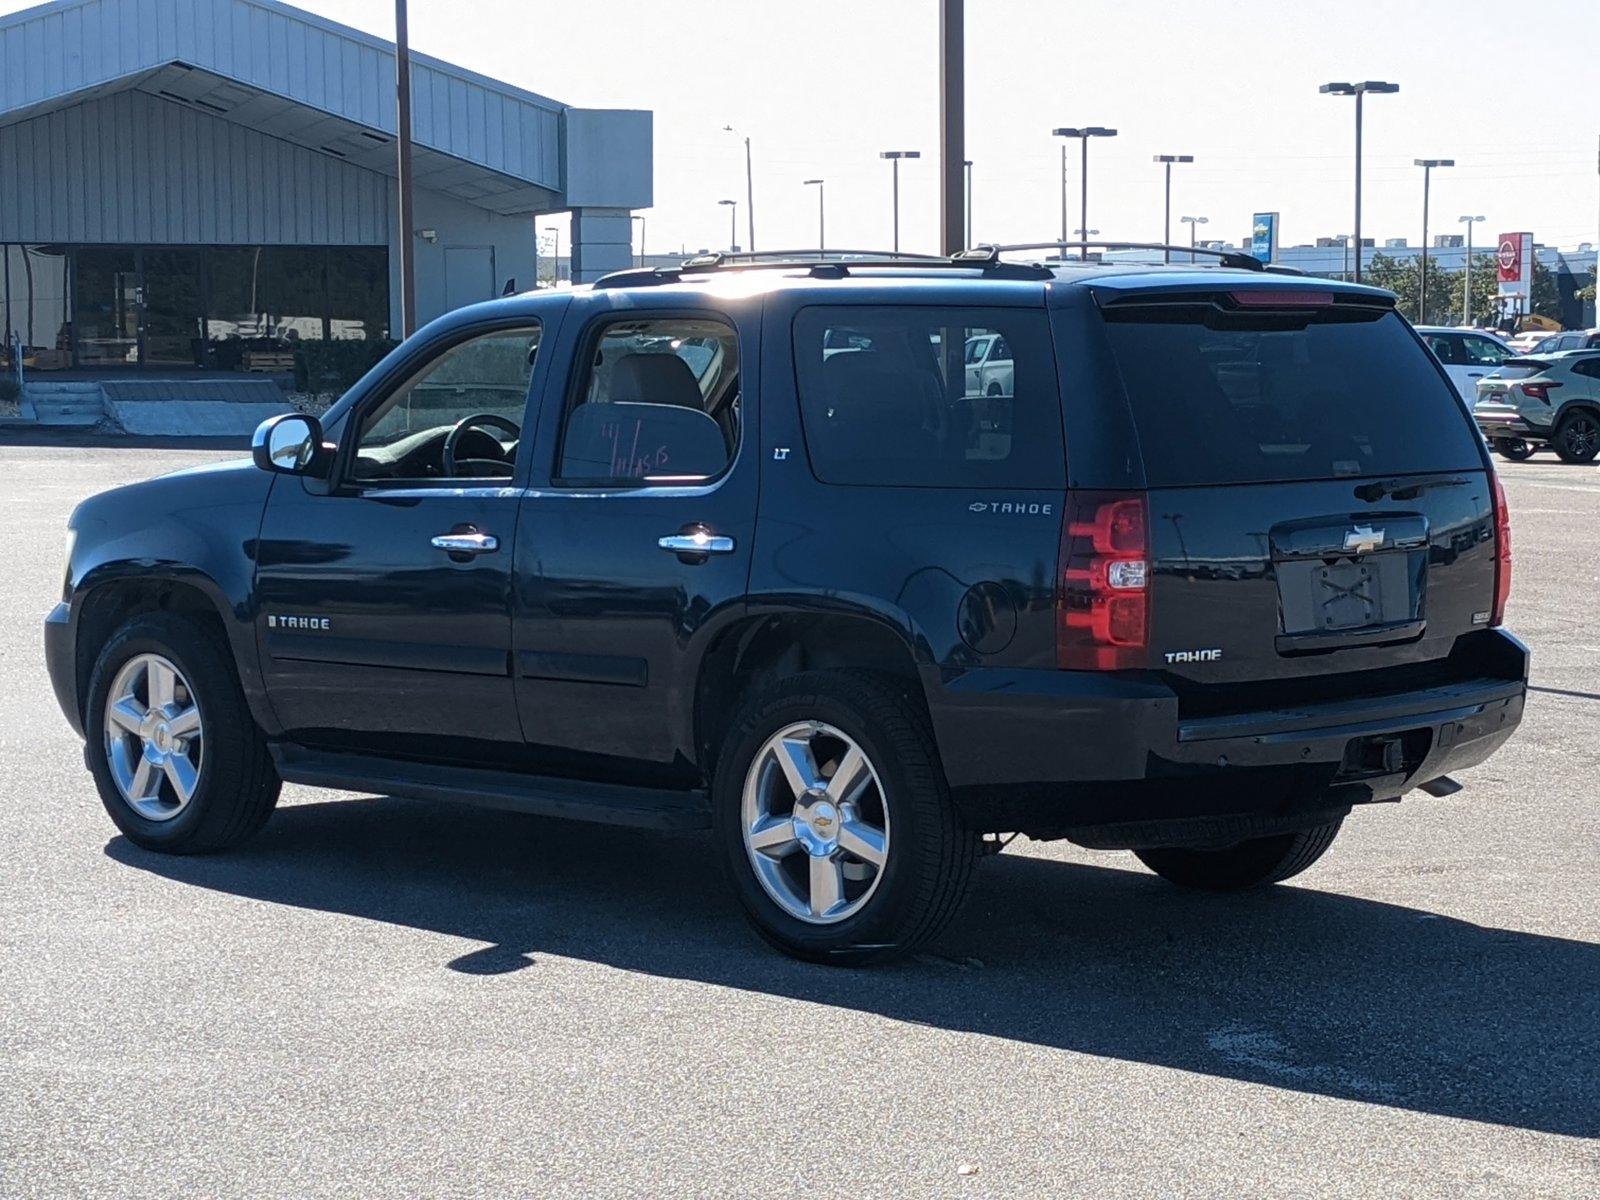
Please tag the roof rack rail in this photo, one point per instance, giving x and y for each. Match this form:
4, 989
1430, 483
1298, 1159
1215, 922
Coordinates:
761, 258
1227, 258
821, 264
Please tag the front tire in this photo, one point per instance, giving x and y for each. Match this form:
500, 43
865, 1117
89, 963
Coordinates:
1515, 449
1577, 438
1249, 864
178, 760
834, 822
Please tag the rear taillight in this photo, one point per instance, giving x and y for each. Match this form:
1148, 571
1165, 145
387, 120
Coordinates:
1502, 555
1539, 391
1103, 594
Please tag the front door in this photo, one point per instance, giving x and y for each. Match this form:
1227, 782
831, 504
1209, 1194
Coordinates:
633, 547
384, 619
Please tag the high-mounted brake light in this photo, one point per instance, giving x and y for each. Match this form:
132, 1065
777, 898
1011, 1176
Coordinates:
1502, 554
1103, 594
1281, 298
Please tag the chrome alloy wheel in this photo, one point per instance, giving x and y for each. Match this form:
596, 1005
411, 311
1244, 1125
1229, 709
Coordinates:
815, 824
153, 737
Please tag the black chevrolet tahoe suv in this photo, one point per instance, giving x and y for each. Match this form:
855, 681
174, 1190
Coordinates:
755, 547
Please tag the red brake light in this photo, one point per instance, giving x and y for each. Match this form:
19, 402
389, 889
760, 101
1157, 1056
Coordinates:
1502, 561
1281, 298
1539, 391
1103, 596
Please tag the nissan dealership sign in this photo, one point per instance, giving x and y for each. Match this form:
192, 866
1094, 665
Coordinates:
1514, 261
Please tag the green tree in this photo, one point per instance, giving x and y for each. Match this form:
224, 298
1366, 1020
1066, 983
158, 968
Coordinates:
1546, 301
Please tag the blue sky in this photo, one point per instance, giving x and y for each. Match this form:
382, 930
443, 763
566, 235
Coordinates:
1513, 95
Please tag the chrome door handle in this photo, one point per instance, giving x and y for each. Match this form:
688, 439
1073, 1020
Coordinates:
699, 542
467, 543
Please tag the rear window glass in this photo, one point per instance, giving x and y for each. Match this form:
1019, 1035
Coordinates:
1227, 397
929, 396
1518, 369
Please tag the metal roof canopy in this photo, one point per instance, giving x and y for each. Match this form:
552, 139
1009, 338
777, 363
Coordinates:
297, 77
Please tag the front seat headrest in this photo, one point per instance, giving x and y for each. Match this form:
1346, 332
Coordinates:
655, 379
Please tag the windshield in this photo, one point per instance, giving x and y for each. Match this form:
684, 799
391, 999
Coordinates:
1244, 397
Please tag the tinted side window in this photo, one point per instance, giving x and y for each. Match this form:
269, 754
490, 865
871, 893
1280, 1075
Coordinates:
904, 406
1443, 345
1483, 350
658, 402
1225, 396
403, 436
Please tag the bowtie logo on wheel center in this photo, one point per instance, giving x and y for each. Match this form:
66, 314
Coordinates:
817, 823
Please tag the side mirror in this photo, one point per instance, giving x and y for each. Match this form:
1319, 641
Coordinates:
290, 444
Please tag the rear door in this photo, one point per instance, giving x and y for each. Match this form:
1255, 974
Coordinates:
633, 545
1320, 502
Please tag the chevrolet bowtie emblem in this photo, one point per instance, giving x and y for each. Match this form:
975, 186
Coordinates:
1363, 539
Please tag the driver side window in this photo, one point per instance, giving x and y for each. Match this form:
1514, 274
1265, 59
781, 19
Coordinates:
463, 409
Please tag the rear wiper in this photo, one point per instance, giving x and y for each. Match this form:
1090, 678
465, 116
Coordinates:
1402, 489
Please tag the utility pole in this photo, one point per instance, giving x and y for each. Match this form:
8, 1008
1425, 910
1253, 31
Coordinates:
407, 235
1427, 165
733, 224
1166, 221
952, 123
1359, 91
749, 189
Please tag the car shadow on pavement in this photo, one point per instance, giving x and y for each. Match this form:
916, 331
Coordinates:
1291, 987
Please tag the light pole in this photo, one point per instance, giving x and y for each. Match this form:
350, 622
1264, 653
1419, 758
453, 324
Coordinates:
1083, 135
733, 224
894, 156
1166, 221
968, 165
1344, 246
402, 143
822, 228
1359, 91
640, 219
1466, 287
749, 187
1427, 165
1193, 223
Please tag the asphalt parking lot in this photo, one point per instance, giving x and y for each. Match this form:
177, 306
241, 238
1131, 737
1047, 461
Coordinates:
384, 998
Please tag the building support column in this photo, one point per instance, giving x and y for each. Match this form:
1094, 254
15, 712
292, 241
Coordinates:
602, 242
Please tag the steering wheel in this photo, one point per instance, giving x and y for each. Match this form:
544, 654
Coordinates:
471, 466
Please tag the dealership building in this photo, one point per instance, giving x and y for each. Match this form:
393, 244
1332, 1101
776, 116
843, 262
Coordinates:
199, 184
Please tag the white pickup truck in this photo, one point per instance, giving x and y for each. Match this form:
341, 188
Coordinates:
989, 369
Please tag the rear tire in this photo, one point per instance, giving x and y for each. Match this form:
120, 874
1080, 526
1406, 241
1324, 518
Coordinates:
1254, 863
188, 776
1515, 449
790, 850
1577, 438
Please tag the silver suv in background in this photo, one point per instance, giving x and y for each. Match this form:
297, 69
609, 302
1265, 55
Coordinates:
1545, 400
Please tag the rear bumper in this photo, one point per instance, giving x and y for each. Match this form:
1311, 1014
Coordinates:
1086, 749
1503, 421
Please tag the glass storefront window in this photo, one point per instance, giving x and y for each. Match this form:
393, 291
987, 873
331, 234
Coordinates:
358, 292
215, 307
34, 279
